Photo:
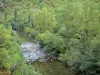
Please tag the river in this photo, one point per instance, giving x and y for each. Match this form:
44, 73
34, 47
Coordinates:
34, 54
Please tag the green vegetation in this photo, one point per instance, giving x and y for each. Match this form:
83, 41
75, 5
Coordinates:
11, 58
68, 29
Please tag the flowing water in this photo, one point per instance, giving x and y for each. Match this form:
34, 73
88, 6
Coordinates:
32, 52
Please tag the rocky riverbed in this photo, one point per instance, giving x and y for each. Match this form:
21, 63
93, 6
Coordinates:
32, 52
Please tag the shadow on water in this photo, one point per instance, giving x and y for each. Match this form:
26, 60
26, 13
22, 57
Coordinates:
23, 37
52, 68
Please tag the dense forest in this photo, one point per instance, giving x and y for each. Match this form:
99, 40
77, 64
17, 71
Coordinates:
66, 29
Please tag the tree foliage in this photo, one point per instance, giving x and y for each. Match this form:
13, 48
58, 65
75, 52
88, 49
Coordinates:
70, 29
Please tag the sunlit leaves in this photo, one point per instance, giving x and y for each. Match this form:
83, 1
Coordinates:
44, 20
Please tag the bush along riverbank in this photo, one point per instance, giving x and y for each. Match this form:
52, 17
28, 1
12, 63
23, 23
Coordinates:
12, 61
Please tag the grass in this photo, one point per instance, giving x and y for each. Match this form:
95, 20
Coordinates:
52, 68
